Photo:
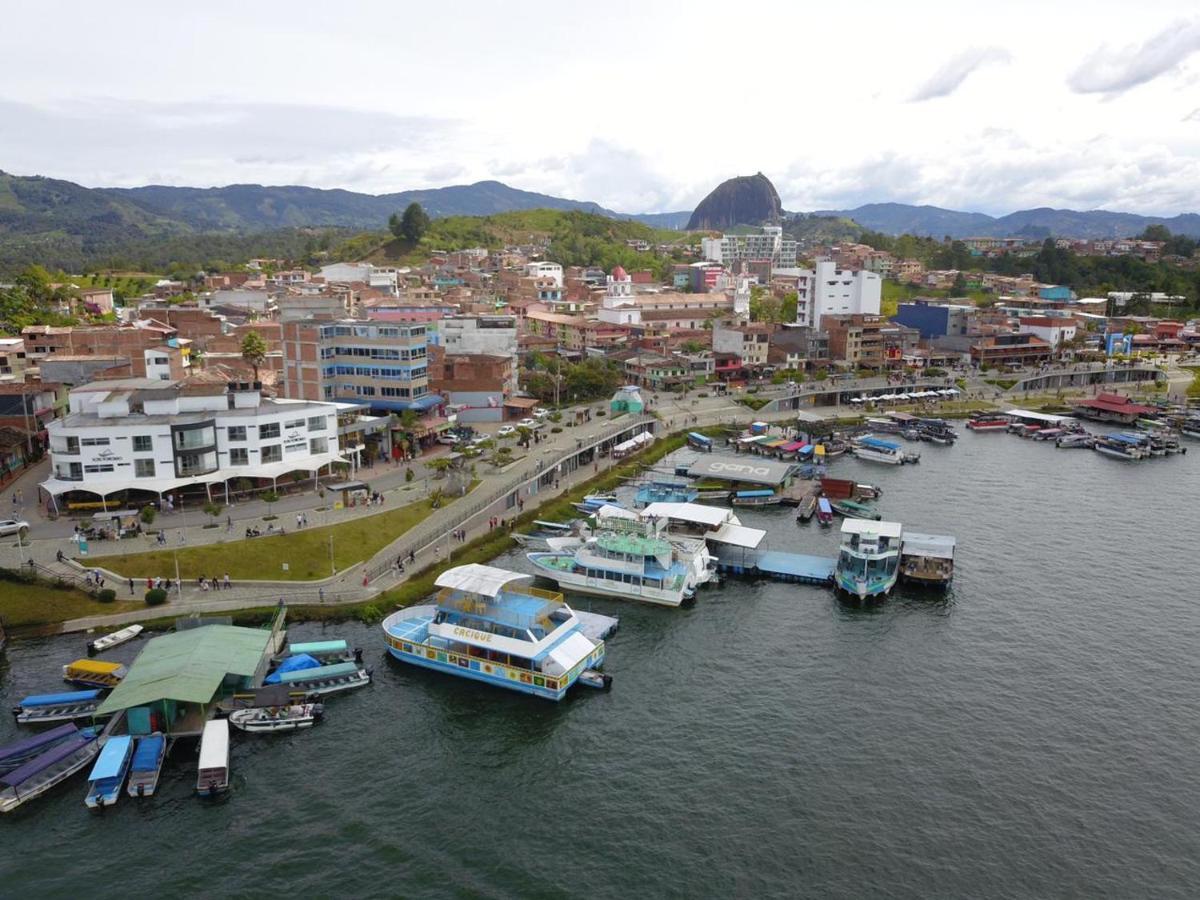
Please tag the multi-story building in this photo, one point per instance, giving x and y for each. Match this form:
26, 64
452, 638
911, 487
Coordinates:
827, 290
856, 340
550, 270
935, 319
12, 359
769, 246
154, 350
798, 347
909, 271
142, 437
654, 371
1009, 349
382, 364
477, 387
1054, 330
749, 341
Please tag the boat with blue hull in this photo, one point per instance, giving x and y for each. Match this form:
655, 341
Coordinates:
868, 562
488, 625
40, 709
146, 767
1123, 445
108, 774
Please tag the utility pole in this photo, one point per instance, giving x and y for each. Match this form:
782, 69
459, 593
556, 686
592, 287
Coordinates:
178, 580
332, 569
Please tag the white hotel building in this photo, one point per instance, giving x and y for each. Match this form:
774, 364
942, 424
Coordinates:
156, 437
829, 291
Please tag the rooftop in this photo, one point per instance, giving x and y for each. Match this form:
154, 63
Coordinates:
731, 468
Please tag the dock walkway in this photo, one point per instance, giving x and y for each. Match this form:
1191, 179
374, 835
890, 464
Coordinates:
796, 567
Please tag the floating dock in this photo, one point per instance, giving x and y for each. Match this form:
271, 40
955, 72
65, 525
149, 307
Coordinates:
796, 567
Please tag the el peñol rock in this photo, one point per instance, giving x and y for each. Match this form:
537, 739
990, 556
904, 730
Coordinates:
745, 200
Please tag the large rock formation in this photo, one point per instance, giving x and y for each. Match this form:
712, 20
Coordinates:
745, 200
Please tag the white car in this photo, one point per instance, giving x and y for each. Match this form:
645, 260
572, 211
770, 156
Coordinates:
528, 423
540, 414
13, 526
505, 430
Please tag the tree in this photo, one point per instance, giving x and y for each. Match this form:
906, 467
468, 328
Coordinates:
1155, 233
439, 466
959, 288
213, 509
412, 225
254, 350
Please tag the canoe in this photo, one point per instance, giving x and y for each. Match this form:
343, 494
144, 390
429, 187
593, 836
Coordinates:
108, 641
852, 510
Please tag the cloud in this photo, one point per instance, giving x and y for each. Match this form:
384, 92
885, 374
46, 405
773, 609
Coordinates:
1113, 71
949, 77
1193, 116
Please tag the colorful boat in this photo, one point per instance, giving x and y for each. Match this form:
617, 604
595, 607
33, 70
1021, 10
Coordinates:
16, 754
146, 767
489, 626
108, 773
873, 449
277, 718
760, 497
94, 673
48, 769
988, 422
344, 676
824, 511
38, 709
664, 492
1123, 445
851, 509
868, 561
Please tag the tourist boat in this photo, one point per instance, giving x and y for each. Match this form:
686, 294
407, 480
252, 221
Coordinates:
868, 562
988, 422
1190, 427
146, 767
108, 641
108, 773
488, 625
927, 559
544, 531
873, 449
15, 755
824, 511
853, 510
38, 709
1164, 443
936, 431
884, 426
1048, 434
867, 491
629, 559
806, 508
94, 673
755, 498
1123, 445
1075, 440
277, 718
49, 768
664, 492
344, 676
212, 774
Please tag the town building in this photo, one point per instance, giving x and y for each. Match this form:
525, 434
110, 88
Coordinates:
748, 340
856, 340
1009, 350
1054, 330
768, 246
934, 319
12, 359
827, 290
477, 387
140, 438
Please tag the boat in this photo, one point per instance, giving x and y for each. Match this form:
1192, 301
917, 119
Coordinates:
489, 625
94, 673
38, 709
49, 768
873, 449
108, 773
146, 767
631, 560
1123, 445
600, 499
853, 510
884, 426
806, 508
937, 431
1074, 440
16, 754
212, 775
755, 498
868, 562
277, 718
988, 422
336, 650
1048, 434
1190, 427
927, 559
664, 492
108, 641
591, 505
544, 531
824, 511
332, 679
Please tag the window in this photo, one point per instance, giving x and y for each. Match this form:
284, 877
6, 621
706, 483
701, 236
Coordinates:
143, 468
236, 433
94, 442
72, 445
318, 445
270, 430
316, 423
295, 423
239, 456
143, 443
107, 468
272, 453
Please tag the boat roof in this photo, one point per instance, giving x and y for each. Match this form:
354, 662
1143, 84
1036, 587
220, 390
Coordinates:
758, 493
43, 761
872, 441
145, 755
823, 505
872, 528
23, 748
738, 536
696, 436
60, 699
940, 546
1037, 416
474, 578
111, 760
733, 468
687, 512
1126, 437
214, 744
318, 672
95, 666
632, 544
318, 647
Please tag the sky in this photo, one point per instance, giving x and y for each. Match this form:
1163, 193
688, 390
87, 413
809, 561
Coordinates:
640, 106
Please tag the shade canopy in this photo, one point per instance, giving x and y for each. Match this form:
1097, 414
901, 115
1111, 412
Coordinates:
475, 578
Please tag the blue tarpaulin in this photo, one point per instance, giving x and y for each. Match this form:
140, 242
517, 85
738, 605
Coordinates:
292, 664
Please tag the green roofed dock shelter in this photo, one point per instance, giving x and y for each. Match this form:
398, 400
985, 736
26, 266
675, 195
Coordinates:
178, 678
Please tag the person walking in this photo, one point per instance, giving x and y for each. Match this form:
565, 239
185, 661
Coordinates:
227, 583
130, 587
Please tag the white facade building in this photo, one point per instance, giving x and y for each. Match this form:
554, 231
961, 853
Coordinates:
491, 335
160, 436
1054, 331
770, 244
347, 272
828, 290
619, 306
545, 270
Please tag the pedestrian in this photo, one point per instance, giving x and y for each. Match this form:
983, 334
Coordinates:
412, 555
14, 501
149, 583
227, 584
130, 587
321, 594
181, 538
20, 498
228, 524
299, 521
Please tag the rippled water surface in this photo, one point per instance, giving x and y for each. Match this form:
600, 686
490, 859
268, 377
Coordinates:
1033, 733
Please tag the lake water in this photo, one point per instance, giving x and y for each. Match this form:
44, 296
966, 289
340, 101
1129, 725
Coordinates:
1032, 733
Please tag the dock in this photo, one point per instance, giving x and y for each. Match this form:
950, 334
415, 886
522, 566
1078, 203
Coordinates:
796, 567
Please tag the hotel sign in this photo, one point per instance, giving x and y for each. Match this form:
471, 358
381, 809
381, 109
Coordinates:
293, 441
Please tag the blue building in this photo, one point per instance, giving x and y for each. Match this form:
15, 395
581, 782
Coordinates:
934, 319
1056, 292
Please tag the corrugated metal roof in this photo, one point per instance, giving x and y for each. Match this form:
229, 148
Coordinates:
188, 666
758, 471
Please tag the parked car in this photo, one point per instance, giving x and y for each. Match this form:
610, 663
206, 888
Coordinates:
528, 423
505, 430
13, 526
540, 414
448, 439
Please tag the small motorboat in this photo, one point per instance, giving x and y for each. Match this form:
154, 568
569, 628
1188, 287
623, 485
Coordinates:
868, 491
806, 508
277, 718
108, 641
108, 774
852, 510
594, 679
37, 709
144, 771
824, 512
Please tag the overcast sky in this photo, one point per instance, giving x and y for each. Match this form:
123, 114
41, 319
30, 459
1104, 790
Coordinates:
640, 106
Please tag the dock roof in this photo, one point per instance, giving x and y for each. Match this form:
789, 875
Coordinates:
188, 666
733, 468
687, 512
939, 546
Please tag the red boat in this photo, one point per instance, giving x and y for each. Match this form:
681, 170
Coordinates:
988, 422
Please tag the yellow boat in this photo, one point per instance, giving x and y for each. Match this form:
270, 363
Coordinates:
94, 673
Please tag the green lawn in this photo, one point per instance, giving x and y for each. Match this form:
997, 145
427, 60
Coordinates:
306, 552
37, 604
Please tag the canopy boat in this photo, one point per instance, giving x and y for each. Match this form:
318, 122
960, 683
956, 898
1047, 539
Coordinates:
108, 774
806, 508
212, 775
699, 442
15, 755
988, 422
489, 625
664, 492
1123, 445
927, 559
1190, 427
49, 768
853, 510
756, 498
1075, 440
309, 677
824, 511
871, 448
94, 673
326, 651
146, 767
277, 718
1048, 434
108, 641
37, 709
937, 431
592, 503
868, 562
